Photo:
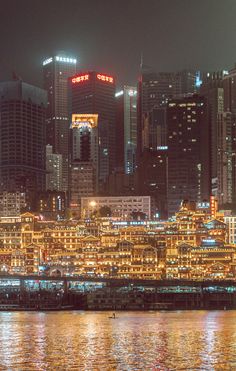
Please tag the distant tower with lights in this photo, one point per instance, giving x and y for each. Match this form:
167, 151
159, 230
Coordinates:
94, 93
56, 71
126, 128
189, 143
22, 132
84, 159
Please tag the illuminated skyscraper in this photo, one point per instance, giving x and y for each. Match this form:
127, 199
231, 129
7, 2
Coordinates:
154, 91
212, 89
53, 170
94, 93
226, 158
84, 158
22, 133
56, 71
126, 128
188, 143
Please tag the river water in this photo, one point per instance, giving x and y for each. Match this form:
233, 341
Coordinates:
178, 340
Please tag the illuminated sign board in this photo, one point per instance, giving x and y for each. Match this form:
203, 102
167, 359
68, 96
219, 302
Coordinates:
60, 59
80, 78
119, 93
105, 78
162, 148
84, 120
203, 205
65, 59
47, 61
85, 77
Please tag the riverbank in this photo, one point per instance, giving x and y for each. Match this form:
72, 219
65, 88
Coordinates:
116, 299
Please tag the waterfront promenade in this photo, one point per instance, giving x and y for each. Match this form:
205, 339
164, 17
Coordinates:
45, 292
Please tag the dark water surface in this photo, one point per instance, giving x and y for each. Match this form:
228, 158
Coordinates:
181, 340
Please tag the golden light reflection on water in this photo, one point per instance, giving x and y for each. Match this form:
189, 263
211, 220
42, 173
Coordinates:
191, 340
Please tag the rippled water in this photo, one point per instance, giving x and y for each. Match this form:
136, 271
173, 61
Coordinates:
181, 340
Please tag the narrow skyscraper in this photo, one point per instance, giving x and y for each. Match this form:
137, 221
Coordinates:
56, 71
126, 129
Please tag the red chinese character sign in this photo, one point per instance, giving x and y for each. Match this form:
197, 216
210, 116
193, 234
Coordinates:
80, 78
86, 77
105, 78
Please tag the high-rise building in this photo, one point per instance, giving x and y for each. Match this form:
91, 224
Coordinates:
50, 204
156, 128
94, 93
188, 151
53, 170
225, 158
229, 82
22, 133
233, 143
84, 132
12, 203
56, 71
154, 91
190, 81
152, 179
84, 158
126, 128
82, 184
212, 89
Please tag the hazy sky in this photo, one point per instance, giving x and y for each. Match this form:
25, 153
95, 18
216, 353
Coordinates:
110, 35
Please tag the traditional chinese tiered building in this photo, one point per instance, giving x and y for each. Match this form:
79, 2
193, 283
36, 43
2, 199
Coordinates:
193, 245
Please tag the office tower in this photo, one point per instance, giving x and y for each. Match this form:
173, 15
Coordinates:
94, 93
233, 143
56, 71
212, 89
156, 128
154, 91
225, 156
126, 128
50, 204
188, 151
22, 133
84, 132
12, 203
53, 170
152, 179
84, 158
82, 184
190, 81
229, 85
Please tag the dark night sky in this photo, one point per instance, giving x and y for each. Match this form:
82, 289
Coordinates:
109, 35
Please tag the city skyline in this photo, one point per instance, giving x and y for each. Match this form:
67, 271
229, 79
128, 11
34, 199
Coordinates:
118, 185
165, 33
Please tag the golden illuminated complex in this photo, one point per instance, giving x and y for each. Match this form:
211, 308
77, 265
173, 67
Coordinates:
194, 245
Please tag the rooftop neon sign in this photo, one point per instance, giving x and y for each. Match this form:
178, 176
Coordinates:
59, 59
86, 77
105, 78
80, 78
